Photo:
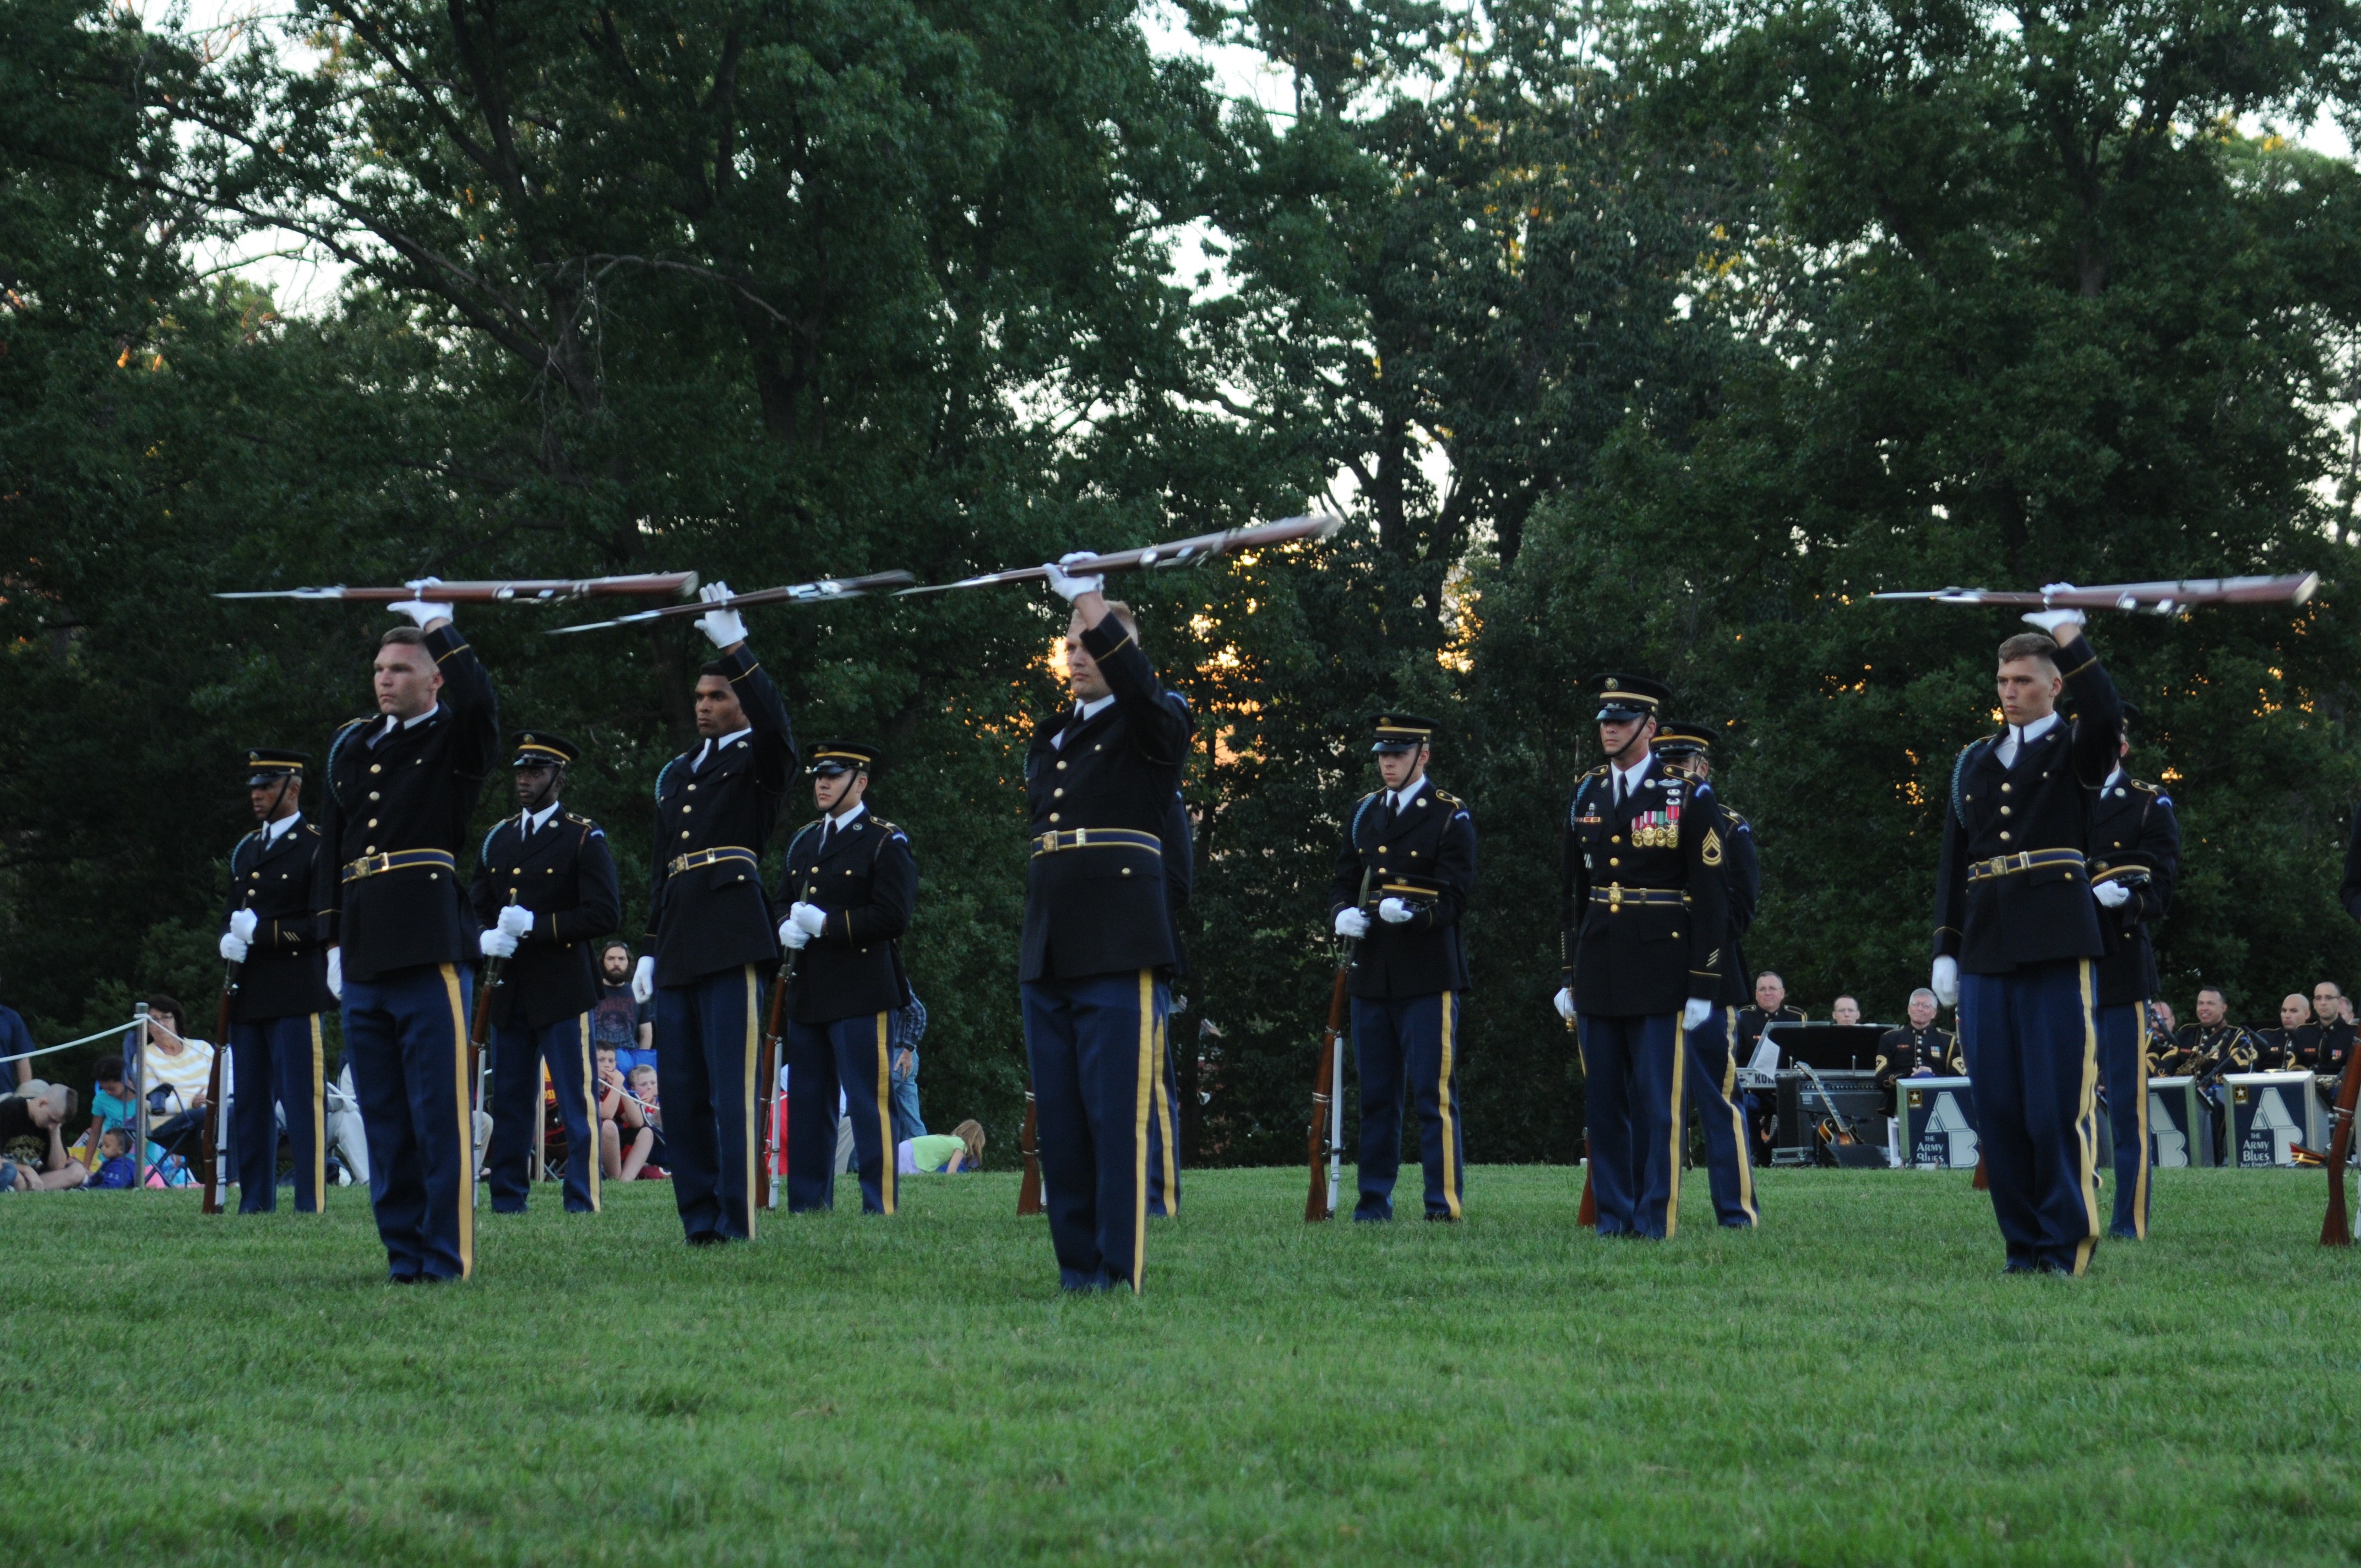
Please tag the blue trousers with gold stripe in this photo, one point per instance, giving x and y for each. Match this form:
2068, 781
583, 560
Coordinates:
706, 1053
1414, 1038
518, 1051
281, 1061
406, 1039
1631, 1099
1164, 1134
853, 1054
2123, 1068
2032, 1043
1711, 1073
1094, 1045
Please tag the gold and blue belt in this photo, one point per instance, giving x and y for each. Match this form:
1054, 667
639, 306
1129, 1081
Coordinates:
2023, 861
399, 861
1615, 895
714, 857
1097, 838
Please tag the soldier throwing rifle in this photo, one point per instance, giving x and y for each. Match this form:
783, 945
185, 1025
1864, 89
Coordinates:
709, 941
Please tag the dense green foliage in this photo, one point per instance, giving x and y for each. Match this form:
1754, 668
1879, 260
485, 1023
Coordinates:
1853, 1382
1653, 335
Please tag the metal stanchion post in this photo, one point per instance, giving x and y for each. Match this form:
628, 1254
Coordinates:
139, 1096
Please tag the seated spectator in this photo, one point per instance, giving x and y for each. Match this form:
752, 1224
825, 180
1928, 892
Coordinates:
618, 1020
16, 1044
111, 1109
1844, 1010
643, 1095
33, 1156
114, 1167
2337, 1032
624, 1136
177, 1070
936, 1154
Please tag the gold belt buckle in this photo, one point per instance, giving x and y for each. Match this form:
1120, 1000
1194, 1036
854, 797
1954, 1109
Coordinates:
1614, 898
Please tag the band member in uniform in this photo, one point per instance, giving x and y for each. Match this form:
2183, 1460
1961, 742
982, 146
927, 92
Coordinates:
2017, 934
2334, 1035
2214, 1046
710, 942
1099, 782
401, 786
1643, 924
1771, 1006
1712, 1066
2291, 1047
545, 892
2135, 858
850, 888
1917, 1049
273, 934
1412, 849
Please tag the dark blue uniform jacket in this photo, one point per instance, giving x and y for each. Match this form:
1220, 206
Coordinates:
565, 874
1423, 854
868, 883
286, 970
1643, 915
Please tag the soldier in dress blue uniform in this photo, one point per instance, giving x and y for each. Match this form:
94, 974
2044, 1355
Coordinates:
401, 786
849, 887
1412, 849
1711, 1071
710, 942
272, 933
545, 892
1643, 922
2135, 851
2018, 938
1097, 945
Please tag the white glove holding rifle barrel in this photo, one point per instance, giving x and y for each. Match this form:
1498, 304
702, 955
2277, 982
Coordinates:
1695, 1014
495, 943
426, 612
239, 940
1067, 587
1945, 982
1563, 1003
644, 979
1352, 924
2112, 895
2055, 621
724, 628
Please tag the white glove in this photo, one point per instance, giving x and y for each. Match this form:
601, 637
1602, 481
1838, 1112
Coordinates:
422, 611
722, 627
497, 943
243, 924
1352, 923
1693, 1015
810, 917
1393, 911
337, 974
792, 935
2049, 620
1563, 1003
644, 979
517, 920
1945, 982
233, 946
1070, 589
2112, 895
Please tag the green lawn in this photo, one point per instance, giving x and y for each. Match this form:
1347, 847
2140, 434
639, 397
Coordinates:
1853, 1382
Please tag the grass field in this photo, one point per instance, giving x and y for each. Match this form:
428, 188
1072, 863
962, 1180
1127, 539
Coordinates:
1851, 1384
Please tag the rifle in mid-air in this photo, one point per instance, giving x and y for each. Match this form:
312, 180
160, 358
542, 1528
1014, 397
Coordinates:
820, 590
2152, 599
511, 590
1147, 557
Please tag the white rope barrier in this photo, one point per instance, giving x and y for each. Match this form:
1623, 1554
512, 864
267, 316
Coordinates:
124, 1027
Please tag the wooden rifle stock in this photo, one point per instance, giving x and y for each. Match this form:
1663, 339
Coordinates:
1029, 1194
1587, 1213
479, 1028
2335, 1227
213, 1093
766, 1073
1325, 1086
1983, 1183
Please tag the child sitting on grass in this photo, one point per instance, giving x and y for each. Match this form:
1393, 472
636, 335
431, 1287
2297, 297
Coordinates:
643, 1088
936, 1154
111, 1110
114, 1159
